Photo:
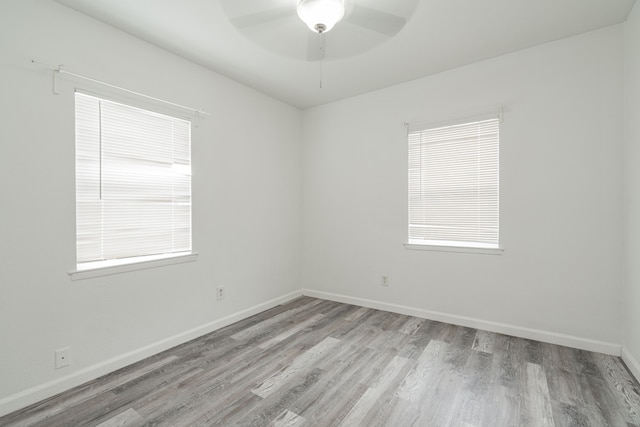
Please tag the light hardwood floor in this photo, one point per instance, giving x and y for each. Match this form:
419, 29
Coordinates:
319, 363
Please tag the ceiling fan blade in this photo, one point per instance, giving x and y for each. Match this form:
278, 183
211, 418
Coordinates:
258, 18
376, 20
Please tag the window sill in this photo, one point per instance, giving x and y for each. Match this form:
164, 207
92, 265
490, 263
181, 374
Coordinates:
460, 249
117, 269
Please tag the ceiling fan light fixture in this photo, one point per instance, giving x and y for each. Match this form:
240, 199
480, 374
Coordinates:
321, 15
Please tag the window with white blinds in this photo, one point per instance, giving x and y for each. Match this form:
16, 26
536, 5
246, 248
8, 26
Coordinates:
454, 184
133, 184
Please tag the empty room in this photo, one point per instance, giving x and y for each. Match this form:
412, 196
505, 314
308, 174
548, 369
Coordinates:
320, 213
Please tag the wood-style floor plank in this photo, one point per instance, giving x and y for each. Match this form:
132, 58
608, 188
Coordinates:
127, 418
483, 341
418, 379
366, 406
537, 398
304, 362
312, 362
288, 419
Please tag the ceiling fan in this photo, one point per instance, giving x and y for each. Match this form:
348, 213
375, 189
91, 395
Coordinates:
291, 27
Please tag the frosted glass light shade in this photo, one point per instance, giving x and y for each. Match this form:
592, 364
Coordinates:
321, 15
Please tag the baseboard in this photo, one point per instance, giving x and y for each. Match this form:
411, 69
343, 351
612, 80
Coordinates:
517, 331
35, 394
631, 362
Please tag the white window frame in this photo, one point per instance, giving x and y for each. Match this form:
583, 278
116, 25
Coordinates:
165, 182
424, 132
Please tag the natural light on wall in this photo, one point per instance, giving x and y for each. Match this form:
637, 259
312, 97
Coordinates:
133, 184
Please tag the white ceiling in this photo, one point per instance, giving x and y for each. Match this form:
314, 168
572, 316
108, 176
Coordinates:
440, 35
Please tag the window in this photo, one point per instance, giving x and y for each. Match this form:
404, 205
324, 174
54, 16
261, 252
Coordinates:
133, 184
454, 185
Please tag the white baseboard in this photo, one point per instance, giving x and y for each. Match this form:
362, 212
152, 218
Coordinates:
35, 394
631, 362
503, 328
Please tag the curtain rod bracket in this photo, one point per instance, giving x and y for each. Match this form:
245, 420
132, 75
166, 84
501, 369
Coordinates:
54, 78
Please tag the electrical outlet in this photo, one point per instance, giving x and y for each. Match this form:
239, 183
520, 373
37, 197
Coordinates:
220, 292
62, 357
384, 280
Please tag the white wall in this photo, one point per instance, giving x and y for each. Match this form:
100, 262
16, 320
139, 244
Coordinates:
560, 277
631, 351
252, 247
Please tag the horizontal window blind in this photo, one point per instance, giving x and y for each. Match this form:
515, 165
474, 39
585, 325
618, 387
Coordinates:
454, 184
133, 182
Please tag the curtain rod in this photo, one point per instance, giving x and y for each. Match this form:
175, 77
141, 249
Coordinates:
60, 70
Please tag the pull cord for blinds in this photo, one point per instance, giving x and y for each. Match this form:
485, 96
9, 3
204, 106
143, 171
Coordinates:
59, 70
